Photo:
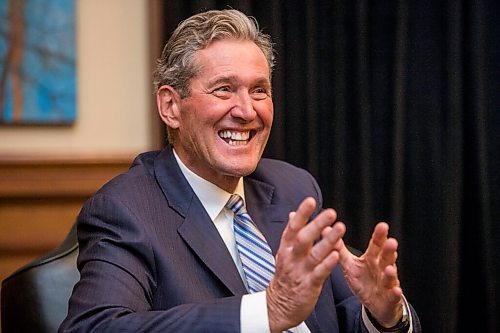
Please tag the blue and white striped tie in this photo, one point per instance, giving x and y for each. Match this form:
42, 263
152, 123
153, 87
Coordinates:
255, 254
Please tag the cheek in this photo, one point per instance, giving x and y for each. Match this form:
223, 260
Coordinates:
192, 121
266, 113
204, 114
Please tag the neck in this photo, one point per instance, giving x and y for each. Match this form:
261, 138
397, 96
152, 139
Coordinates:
226, 182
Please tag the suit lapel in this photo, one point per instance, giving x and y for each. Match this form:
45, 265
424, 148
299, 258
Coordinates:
199, 233
271, 219
197, 230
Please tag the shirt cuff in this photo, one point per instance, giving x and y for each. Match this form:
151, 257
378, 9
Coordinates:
371, 329
253, 313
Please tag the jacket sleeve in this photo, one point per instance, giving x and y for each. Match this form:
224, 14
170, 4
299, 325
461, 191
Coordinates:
117, 281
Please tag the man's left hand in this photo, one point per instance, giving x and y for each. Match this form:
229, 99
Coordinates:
373, 277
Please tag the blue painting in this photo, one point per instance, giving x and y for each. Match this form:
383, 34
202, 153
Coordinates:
37, 62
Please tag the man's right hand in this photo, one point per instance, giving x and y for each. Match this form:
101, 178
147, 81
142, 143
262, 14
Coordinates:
302, 266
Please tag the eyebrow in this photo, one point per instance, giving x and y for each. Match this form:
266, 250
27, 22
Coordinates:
233, 79
222, 79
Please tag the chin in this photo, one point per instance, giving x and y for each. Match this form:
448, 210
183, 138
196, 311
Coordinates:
238, 170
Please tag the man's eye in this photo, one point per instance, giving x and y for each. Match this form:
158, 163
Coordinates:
222, 91
260, 93
223, 88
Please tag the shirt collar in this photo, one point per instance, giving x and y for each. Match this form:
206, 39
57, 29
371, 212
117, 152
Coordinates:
212, 197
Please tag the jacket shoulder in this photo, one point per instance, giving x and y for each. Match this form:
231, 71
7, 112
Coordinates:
271, 169
141, 171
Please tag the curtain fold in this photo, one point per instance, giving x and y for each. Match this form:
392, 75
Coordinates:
394, 107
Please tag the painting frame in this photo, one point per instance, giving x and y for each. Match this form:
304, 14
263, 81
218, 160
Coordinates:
37, 62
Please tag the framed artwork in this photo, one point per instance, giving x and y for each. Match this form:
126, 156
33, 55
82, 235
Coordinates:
37, 62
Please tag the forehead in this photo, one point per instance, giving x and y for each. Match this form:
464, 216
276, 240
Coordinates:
231, 57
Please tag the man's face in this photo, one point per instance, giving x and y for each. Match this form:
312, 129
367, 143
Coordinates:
224, 123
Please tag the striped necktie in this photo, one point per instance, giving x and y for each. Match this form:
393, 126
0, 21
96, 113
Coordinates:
255, 254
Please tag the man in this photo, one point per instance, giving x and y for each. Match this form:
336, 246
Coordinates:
167, 247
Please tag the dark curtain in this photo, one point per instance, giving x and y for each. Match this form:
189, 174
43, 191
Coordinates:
393, 106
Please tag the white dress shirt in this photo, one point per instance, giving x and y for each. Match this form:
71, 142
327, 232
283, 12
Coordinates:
254, 317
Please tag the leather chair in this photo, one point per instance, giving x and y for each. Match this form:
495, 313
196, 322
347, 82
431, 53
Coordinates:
35, 297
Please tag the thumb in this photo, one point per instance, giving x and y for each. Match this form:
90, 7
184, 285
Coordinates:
345, 255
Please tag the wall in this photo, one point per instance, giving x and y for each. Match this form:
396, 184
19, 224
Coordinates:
114, 89
46, 173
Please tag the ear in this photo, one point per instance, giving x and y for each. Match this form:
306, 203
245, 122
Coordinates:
168, 103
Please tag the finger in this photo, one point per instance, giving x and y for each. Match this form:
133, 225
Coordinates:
329, 242
379, 236
323, 269
390, 277
325, 231
345, 256
391, 283
312, 231
389, 253
394, 295
328, 229
297, 219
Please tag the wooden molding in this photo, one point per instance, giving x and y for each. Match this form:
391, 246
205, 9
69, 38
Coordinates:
56, 176
40, 197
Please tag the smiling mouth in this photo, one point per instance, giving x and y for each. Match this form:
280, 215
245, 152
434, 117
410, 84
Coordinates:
236, 138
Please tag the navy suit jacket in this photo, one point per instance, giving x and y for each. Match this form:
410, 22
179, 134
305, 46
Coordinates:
152, 260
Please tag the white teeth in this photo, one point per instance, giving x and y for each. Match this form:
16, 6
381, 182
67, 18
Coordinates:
235, 137
237, 143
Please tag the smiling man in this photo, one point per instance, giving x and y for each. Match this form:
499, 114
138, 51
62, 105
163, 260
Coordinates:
221, 128
205, 235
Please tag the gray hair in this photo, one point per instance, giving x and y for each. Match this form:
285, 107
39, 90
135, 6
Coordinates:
176, 65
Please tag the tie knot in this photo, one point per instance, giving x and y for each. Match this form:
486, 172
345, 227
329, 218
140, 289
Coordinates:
236, 204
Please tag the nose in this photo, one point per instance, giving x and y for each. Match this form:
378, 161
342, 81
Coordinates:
243, 107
